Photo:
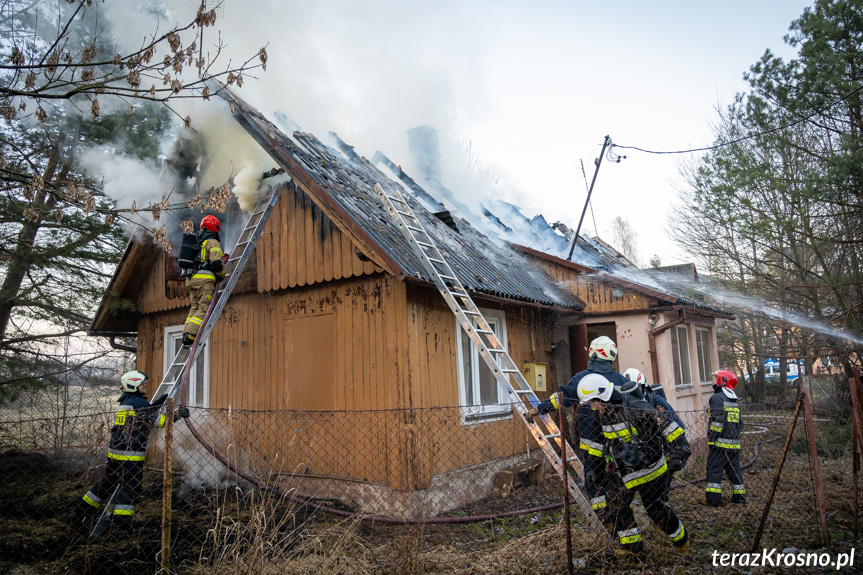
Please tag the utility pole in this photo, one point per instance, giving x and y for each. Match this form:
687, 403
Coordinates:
598, 161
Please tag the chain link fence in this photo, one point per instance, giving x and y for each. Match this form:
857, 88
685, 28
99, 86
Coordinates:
403, 491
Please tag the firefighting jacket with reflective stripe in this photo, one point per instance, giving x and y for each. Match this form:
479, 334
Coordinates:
132, 423
725, 422
635, 438
211, 251
591, 442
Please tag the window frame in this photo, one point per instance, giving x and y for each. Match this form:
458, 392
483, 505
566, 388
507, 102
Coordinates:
708, 355
172, 334
677, 363
479, 413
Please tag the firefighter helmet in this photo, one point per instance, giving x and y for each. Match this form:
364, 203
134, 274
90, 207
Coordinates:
635, 375
132, 380
594, 386
725, 378
211, 224
602, 348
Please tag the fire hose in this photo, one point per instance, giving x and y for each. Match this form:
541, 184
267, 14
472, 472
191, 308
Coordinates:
409, 521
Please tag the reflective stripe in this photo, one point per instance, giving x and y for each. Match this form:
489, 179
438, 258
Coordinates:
727, 443
717, 426
127, 455
629, 536
670, 429
642, 476
195, 320
597, 502
675, 434
124, 510
204, 275
591, 447
161, 421
554, 402
679, 534
90, 498
738, 489
731, 404
714, 488
618, 431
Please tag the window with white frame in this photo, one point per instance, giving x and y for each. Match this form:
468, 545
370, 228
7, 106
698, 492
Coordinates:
479, 392
680, 355
198, 393
705, 361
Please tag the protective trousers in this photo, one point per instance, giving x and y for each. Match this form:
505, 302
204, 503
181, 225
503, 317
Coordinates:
126, 474
654, 498
200, 295
725, 461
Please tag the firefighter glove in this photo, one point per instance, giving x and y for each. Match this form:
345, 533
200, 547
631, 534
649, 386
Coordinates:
532, 412
161, 399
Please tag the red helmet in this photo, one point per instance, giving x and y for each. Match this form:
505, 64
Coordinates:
725, 378
211, 224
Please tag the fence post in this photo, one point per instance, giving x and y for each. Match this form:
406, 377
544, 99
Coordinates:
855, 467
816, 467
857, 438
562, 421
777, 474
167, 487
856, 407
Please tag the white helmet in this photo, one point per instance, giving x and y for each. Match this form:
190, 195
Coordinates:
602, 348
635, 375
132, 380
594, 386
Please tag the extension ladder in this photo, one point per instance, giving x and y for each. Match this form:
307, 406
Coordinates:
186, 357
506, 372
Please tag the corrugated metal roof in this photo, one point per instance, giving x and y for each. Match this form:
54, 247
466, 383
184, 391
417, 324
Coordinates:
348, 180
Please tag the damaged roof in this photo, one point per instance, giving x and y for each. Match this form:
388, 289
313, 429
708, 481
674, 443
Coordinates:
342, 184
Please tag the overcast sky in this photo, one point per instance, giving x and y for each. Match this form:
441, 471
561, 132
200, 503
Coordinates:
533, 87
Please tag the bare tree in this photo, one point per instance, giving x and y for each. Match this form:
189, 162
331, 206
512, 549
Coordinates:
626, 240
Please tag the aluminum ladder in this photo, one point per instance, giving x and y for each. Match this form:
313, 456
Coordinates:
506, 372
172, 382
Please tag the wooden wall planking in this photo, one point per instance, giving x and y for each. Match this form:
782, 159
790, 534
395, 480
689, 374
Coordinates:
303, 247
596, 293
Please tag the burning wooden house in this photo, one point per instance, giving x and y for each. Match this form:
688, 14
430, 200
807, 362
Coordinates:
337, 334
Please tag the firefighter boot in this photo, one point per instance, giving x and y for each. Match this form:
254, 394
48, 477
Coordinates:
188, 339
739, 499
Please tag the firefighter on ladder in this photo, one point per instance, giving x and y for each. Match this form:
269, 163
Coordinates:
210, 266
635, 438
126, 452
723, 439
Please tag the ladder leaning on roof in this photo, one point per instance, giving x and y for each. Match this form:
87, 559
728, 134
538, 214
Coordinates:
186, 357
507, 374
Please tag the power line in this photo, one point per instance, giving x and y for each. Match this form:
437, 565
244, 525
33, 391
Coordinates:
749, 137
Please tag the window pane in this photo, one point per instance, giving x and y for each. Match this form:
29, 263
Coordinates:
675, 357
487, 386
683, 343
467, 351
198, 379
703, 340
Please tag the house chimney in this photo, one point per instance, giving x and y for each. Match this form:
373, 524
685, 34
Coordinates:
425, 151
